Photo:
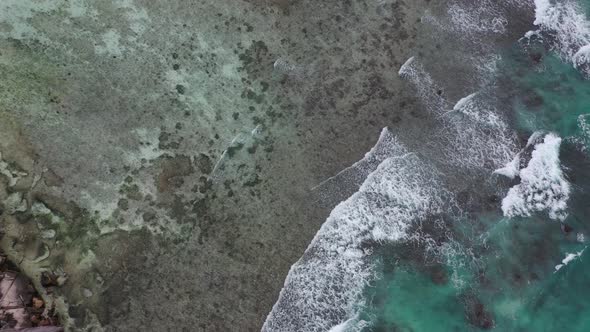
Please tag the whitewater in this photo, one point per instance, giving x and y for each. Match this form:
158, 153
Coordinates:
475, 150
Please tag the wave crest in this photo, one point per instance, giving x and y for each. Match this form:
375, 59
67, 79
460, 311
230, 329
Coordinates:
324, 288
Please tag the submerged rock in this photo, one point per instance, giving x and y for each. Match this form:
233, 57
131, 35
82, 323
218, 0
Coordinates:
477, 314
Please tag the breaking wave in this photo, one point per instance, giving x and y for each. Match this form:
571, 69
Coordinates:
413, 71
563, 25
478, 17
324, 288
569, 258
341, 186
473, 134
397, 189
584, 126
542, 186
478, 136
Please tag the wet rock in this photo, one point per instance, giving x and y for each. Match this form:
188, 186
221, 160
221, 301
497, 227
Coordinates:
21, 307
204, 184
15, 292
38, 303
123, 204
49, 279
149, 216
256, 59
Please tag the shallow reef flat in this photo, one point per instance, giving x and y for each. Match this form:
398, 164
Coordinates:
158, 158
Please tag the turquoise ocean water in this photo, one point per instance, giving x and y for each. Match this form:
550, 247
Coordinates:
514, 257
500, 273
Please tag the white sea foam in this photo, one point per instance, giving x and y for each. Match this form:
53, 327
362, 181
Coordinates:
342, 185
569, 258
473, 135
324, 288
511, 170
450, 253
476, 23
584, 126
582, 57
567, 30
474, 18
406, 67
531, 34
350, 325
482, 17
413, 71
542, 184
463, 102
340, 327
478, 112
476, 135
